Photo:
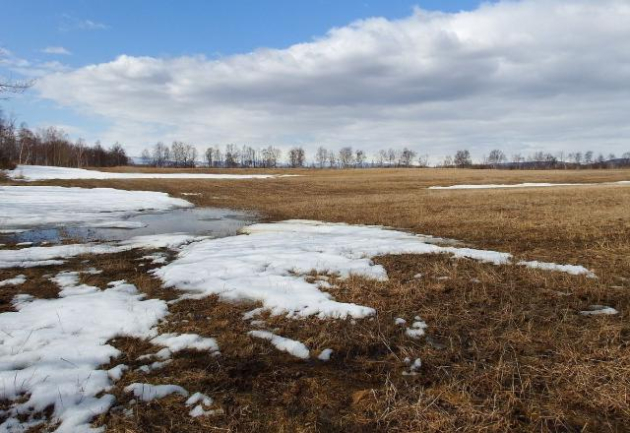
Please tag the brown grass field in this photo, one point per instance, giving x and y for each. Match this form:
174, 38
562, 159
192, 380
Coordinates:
508, 352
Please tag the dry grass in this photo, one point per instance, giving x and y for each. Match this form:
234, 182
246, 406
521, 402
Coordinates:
506, 348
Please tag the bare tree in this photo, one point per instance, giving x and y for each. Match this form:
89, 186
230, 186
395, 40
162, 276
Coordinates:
161, 154
588, 157
7, 86
321, 157
496, 158
462, 159
381, 158
145, 157
231, 156
297, 157
271, 155
210, 156
406, 157
359, 158
346, 157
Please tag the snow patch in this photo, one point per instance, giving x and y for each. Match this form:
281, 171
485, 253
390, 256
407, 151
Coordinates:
594, 310
15, 281
148, 392
40, 172
325, 355
51, 350
417, 328
49, 256
178, 342
271, 263
25, 207
293, 347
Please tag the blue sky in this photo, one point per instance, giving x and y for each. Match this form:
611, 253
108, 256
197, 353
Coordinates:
477, 64
99, 31
168, 28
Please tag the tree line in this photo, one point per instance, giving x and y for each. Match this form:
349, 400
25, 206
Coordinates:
51, 146
538, 160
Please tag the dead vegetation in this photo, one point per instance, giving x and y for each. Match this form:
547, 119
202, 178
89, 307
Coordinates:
506, 348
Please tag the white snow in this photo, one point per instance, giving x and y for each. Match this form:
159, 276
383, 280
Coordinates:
325, 355
25, 207
594, 310
15, 281
413, 367
199, 411
154, 366
417, 329
41, 172
148, 392
199, 397
52, 255
526, 185
270, 263
51, 349
178, 342
400, 321
117, 372
569, 269
293, 347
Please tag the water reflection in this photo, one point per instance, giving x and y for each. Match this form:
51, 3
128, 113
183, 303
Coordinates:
214, 222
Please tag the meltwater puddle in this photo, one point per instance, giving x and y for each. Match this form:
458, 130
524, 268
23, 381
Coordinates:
216, 222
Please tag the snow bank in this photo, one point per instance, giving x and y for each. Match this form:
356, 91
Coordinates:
284, 344
41, 172
268, 264
525, 185
53, 255
25, 207
50, 351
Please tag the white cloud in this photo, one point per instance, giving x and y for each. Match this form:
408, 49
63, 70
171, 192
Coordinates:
69, 22
524, 76
11, 63
56, 50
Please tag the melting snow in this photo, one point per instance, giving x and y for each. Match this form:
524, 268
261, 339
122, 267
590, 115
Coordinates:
178, 342
599, 309
292, 347
50, 350
45, 256
148, 392
40, 172
417, 329
526, 185
270, 263
28, 206
325, 355
15, 281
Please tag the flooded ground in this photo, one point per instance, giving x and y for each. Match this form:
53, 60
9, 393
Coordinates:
215, 222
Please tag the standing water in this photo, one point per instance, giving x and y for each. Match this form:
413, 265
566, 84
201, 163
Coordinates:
215, 222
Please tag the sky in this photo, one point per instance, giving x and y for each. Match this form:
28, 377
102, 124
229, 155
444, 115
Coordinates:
436, 76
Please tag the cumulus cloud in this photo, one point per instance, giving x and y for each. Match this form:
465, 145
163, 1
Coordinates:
56, 50
524, 76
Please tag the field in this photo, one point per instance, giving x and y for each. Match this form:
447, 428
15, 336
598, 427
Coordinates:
506, 348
